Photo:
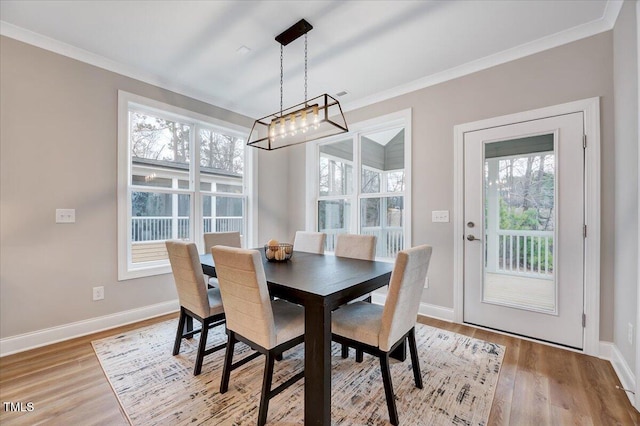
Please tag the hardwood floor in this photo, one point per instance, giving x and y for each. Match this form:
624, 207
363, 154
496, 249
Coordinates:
538, 385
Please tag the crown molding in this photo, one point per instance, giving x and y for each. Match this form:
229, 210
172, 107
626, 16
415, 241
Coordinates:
611, 12
605, 23
585, 30
70, 51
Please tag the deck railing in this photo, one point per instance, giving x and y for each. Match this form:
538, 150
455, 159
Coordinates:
528, 253
389, 241
223, 224
160, 228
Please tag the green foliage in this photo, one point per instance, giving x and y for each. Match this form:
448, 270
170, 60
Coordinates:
528, 220
516, 219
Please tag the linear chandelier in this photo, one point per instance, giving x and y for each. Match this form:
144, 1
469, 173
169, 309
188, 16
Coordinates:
310, 120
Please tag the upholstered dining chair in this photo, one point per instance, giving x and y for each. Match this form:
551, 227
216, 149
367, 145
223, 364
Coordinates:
269, 327
196, 301
378, 330
357, 247
231, 239
310, 242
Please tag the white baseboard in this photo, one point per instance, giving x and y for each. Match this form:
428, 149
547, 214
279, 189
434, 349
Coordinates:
36, 339
435, 311
610, 352
426, 309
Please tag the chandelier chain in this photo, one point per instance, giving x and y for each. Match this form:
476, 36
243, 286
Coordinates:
305, 68
281, 75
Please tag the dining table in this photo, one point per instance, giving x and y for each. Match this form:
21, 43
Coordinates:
321, 284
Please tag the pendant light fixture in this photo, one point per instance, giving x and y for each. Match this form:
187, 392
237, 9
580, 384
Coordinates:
310, 120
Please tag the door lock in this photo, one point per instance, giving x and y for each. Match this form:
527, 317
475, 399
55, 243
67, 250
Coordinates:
472, 238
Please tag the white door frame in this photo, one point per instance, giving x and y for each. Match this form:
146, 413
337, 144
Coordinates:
591, 109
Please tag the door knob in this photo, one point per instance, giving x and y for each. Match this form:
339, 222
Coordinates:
472, 238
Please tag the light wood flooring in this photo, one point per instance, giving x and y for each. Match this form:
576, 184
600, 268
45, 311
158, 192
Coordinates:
538, 385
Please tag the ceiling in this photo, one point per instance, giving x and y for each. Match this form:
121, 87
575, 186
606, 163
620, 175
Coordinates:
371, 49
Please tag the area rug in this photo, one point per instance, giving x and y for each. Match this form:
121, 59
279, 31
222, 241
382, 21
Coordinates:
155, 388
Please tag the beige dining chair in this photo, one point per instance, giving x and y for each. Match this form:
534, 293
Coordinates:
310, 242
378, 330
356, 247
196, 301
230, 239
269, 327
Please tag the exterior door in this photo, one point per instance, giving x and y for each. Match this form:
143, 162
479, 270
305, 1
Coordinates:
524, 229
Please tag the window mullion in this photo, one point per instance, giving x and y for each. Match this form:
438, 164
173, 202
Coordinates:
195, 218
357, 172
174, 210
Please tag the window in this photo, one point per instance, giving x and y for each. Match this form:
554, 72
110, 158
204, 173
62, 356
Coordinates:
180, 174
361, 184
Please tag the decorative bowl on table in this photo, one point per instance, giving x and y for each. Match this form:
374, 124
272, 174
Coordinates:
278, 252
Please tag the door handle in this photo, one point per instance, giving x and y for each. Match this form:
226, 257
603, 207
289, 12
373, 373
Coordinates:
472, 238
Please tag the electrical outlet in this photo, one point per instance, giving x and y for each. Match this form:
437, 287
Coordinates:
98, 293
440, 216
426, 282
630, 333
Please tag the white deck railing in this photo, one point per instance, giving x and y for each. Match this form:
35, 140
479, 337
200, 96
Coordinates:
389, 241
160, 228
528, 253
223, 224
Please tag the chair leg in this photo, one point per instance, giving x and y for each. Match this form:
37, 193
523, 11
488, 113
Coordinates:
202, 346
266, 388
188, 327
388, 389
359, 355
176, 345
415, 362
228, 359
345, 351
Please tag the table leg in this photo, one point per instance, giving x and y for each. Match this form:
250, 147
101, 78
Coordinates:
317, 366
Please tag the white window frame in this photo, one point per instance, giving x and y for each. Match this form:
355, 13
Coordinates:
357, 130
126, 269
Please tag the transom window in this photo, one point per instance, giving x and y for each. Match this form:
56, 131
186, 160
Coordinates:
362, 184
183, 175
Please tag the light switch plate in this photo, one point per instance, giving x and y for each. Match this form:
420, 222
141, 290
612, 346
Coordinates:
440, 216
65, 215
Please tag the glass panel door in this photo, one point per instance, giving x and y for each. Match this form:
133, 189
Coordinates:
524, 228
520, 218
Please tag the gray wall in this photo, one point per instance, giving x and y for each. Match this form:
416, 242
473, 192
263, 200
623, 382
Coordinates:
625, 74
578, 70
58, 124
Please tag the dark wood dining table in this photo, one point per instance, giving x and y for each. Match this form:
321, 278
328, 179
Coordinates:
320, 283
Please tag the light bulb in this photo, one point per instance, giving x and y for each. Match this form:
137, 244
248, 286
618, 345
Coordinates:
315, 113
283, 126
292, 123
303, 120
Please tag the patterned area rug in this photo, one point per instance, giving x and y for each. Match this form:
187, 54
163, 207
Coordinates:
156, 388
